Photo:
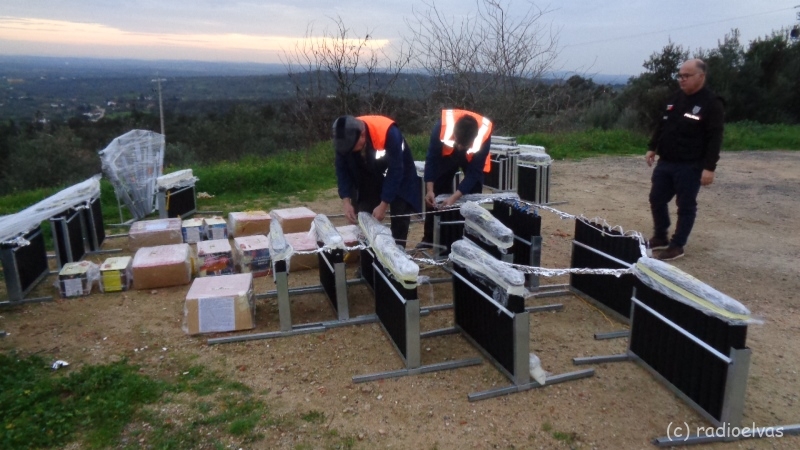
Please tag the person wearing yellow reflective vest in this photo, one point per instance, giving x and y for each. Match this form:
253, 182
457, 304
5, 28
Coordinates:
375, 171
459, 140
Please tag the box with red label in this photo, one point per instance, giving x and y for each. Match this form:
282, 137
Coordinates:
214, 258
251, 255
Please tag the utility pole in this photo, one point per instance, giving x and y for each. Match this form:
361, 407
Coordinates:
160, 103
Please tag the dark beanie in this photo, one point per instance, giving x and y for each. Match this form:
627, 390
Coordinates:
346, 131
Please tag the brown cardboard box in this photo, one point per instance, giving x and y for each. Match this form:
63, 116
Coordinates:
150, 233
248, 223
162, 266
350, 236
219, 304
294, 220
251, 255
301, 242
214, 258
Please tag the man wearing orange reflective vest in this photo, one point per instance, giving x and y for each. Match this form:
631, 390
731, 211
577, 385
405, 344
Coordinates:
375, 171
460, 139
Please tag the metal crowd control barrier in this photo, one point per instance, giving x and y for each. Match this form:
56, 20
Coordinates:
333, 284
69, 236
24, 267
598, 247
501, 333
176, 202
700, 358
399, 313
503, 174
448, 227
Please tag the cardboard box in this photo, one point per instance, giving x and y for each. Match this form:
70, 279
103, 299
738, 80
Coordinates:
162, 266
219, 304
248, 223
116, 274
215, 228
294, 220
302, 242
192, 231
350, 236
214, 258
75, 279
152, 233
251, 255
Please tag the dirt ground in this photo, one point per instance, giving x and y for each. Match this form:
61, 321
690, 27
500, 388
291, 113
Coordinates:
742, 245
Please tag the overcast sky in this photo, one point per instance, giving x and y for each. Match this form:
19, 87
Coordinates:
594, 36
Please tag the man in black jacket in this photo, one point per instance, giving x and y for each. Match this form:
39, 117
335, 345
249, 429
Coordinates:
687, 140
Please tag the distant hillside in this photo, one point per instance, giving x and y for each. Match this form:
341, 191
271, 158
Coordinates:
12, 66
60, 88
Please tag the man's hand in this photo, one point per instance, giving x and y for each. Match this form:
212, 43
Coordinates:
430, 198
379, 213
349, 211
650, 157
450, 200
707, 178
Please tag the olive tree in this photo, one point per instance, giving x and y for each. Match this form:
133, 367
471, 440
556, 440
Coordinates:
339, 71
491, 60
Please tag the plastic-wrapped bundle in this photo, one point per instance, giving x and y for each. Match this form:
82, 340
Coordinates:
279, 249
133, 162
504, 148
371, 227
680, 286
326, 232
395, 260
481, 223
177, 179
535, 158
477, 198
483, 264
528, 148
14, 226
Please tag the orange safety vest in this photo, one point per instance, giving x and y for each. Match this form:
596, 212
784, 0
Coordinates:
449, 119
378, 128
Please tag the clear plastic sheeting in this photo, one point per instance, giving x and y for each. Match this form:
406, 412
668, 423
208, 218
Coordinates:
179, 179
503, 149
395, 260
324, 231
527, 148
477, 198
481, 223
482, 264
680, 286
14, 226
535, 158
133, 162
279, 249
371, 227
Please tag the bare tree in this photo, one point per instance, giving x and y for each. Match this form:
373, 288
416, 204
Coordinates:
491, 61
339, 72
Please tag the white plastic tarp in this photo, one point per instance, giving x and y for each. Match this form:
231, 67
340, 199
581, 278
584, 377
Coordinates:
133, 162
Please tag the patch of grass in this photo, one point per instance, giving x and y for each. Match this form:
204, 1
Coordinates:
547, 427
314, 417
568, 438
757, 136
41, 408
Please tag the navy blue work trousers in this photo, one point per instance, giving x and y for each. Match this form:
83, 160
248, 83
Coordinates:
682, 181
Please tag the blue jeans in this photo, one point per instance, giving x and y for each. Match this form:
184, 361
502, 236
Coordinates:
682, 181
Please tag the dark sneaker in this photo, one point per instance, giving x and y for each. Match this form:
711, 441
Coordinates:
423, 245
657, 243
670, 253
